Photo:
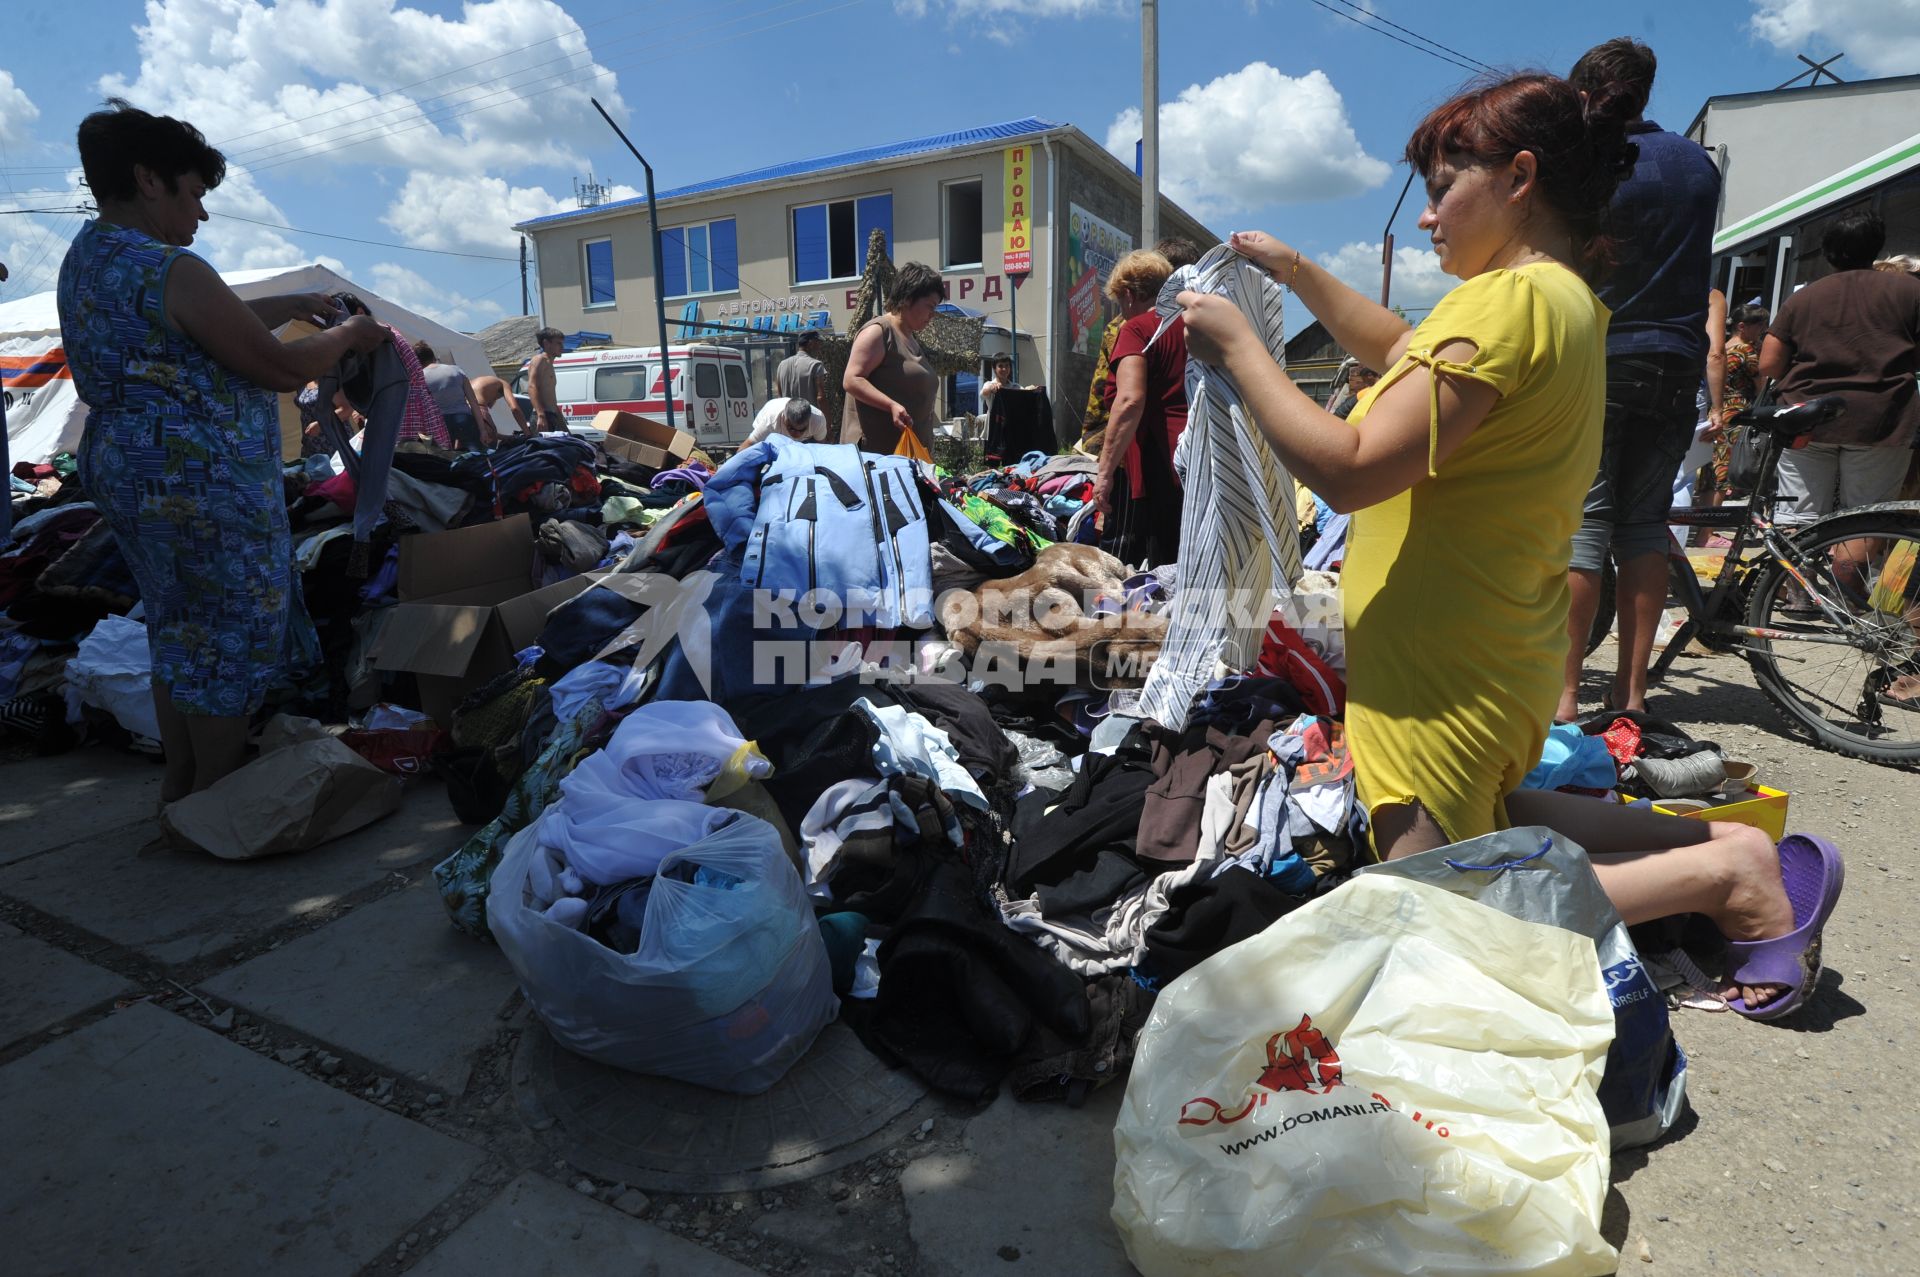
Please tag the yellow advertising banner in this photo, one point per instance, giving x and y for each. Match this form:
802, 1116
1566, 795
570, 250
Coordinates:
1016, 236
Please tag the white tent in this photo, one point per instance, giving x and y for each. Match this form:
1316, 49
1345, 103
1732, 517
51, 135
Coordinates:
45, 415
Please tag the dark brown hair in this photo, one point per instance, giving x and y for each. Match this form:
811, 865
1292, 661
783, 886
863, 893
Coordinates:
1579, 144
1623, 66
914, 281
112, 141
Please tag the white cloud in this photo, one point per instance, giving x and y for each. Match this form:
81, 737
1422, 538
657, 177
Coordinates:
17, 111
1418, 281
235, 245
33, 249
1881, 37
1253, 138
294, 82
474, 213
422, 296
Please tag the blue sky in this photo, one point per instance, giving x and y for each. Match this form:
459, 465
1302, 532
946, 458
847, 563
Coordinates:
433, 126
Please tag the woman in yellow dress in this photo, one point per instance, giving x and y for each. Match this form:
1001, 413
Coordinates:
1466, 466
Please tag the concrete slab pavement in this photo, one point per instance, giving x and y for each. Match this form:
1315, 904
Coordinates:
536, 1228
180, 908
391, 982
51, 802
1030, 1183
44, 986
142, 1144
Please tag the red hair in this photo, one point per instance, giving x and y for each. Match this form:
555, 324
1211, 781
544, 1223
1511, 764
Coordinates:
1578, 142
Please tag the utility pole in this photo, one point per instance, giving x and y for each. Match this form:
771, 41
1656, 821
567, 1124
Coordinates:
1149, 123
659, 274
525, 308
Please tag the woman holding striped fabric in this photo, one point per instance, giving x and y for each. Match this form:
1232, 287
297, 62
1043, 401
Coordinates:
1466, 466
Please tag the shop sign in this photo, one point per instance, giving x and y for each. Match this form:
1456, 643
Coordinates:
1015, 231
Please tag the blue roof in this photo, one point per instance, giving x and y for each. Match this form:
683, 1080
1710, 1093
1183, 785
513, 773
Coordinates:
1028, 127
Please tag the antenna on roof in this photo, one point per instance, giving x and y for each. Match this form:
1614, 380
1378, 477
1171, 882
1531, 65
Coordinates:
1818, 69
588, 193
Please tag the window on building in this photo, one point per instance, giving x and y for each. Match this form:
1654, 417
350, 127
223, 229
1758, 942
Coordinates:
700, 258
830, 239
960, 240
597, 270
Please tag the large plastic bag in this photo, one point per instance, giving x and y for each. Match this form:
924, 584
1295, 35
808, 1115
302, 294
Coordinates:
728, 987
1542, 877
1391, 1079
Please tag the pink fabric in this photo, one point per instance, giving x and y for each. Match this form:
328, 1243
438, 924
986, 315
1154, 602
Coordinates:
422, 418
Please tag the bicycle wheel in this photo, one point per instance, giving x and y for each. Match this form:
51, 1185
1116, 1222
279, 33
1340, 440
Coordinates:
1829, 668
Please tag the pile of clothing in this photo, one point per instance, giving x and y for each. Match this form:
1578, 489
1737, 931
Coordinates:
1003, 859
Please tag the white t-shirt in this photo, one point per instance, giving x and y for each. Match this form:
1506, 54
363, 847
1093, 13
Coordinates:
771, 417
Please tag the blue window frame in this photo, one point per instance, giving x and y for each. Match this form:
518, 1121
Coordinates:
830, 239
701, 258
599, 271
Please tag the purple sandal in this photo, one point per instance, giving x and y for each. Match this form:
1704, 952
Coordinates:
1813, 874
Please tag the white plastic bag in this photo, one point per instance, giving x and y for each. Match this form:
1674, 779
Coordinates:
113, 671
1391, 1079
728, 987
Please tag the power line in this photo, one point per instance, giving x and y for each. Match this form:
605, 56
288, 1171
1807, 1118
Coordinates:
1381, 17
1341, 13
376, 243
69, 209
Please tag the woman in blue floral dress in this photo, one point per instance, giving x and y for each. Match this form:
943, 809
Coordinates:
182, 444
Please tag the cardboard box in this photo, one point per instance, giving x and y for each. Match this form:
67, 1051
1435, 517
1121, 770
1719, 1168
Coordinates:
632, 437
1765, 809
466, 606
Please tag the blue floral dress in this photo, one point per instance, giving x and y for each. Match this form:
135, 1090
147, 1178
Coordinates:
183, 459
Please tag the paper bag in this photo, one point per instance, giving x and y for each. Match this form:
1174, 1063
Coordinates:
290, 800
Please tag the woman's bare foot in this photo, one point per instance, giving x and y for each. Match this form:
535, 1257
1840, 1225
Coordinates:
1756, 905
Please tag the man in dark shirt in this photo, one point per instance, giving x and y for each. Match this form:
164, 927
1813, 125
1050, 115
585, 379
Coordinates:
1662, 224
1850, 334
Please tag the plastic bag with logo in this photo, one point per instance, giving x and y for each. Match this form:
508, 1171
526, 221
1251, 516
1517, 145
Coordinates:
1525, 873
1391, 1079
730, 982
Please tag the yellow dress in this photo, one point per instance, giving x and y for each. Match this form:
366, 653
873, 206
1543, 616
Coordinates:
1456, 590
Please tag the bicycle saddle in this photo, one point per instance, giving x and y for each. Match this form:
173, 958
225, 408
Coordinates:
1791, 420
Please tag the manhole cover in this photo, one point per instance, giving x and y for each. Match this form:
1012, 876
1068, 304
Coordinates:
838, 1105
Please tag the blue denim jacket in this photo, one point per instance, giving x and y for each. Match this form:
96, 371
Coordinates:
829, 519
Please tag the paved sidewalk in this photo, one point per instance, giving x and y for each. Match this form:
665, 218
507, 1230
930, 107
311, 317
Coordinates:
297, 1066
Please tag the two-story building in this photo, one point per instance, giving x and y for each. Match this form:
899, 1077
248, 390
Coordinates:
1792, 161
1023, 220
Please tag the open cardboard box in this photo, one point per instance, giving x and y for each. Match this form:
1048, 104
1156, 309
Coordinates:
1763, 808
466, 605
632, 437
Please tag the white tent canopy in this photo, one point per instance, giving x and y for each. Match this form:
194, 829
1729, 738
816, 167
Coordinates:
45, 415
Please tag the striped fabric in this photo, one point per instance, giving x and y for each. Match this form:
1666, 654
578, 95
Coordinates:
1239, 533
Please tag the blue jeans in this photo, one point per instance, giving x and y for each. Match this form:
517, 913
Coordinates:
1650, 419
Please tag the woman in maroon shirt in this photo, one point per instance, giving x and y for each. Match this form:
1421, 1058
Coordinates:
1136, 490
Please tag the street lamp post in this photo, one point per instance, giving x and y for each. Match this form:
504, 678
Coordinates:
659, 275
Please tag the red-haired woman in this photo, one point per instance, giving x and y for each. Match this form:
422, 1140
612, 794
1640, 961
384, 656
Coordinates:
1467, 466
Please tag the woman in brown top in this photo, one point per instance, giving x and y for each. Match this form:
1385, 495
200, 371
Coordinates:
890, 383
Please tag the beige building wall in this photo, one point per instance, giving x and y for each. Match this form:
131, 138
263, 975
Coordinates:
764, 218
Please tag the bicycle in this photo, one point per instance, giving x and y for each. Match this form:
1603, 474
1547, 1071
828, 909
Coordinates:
1826, 638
